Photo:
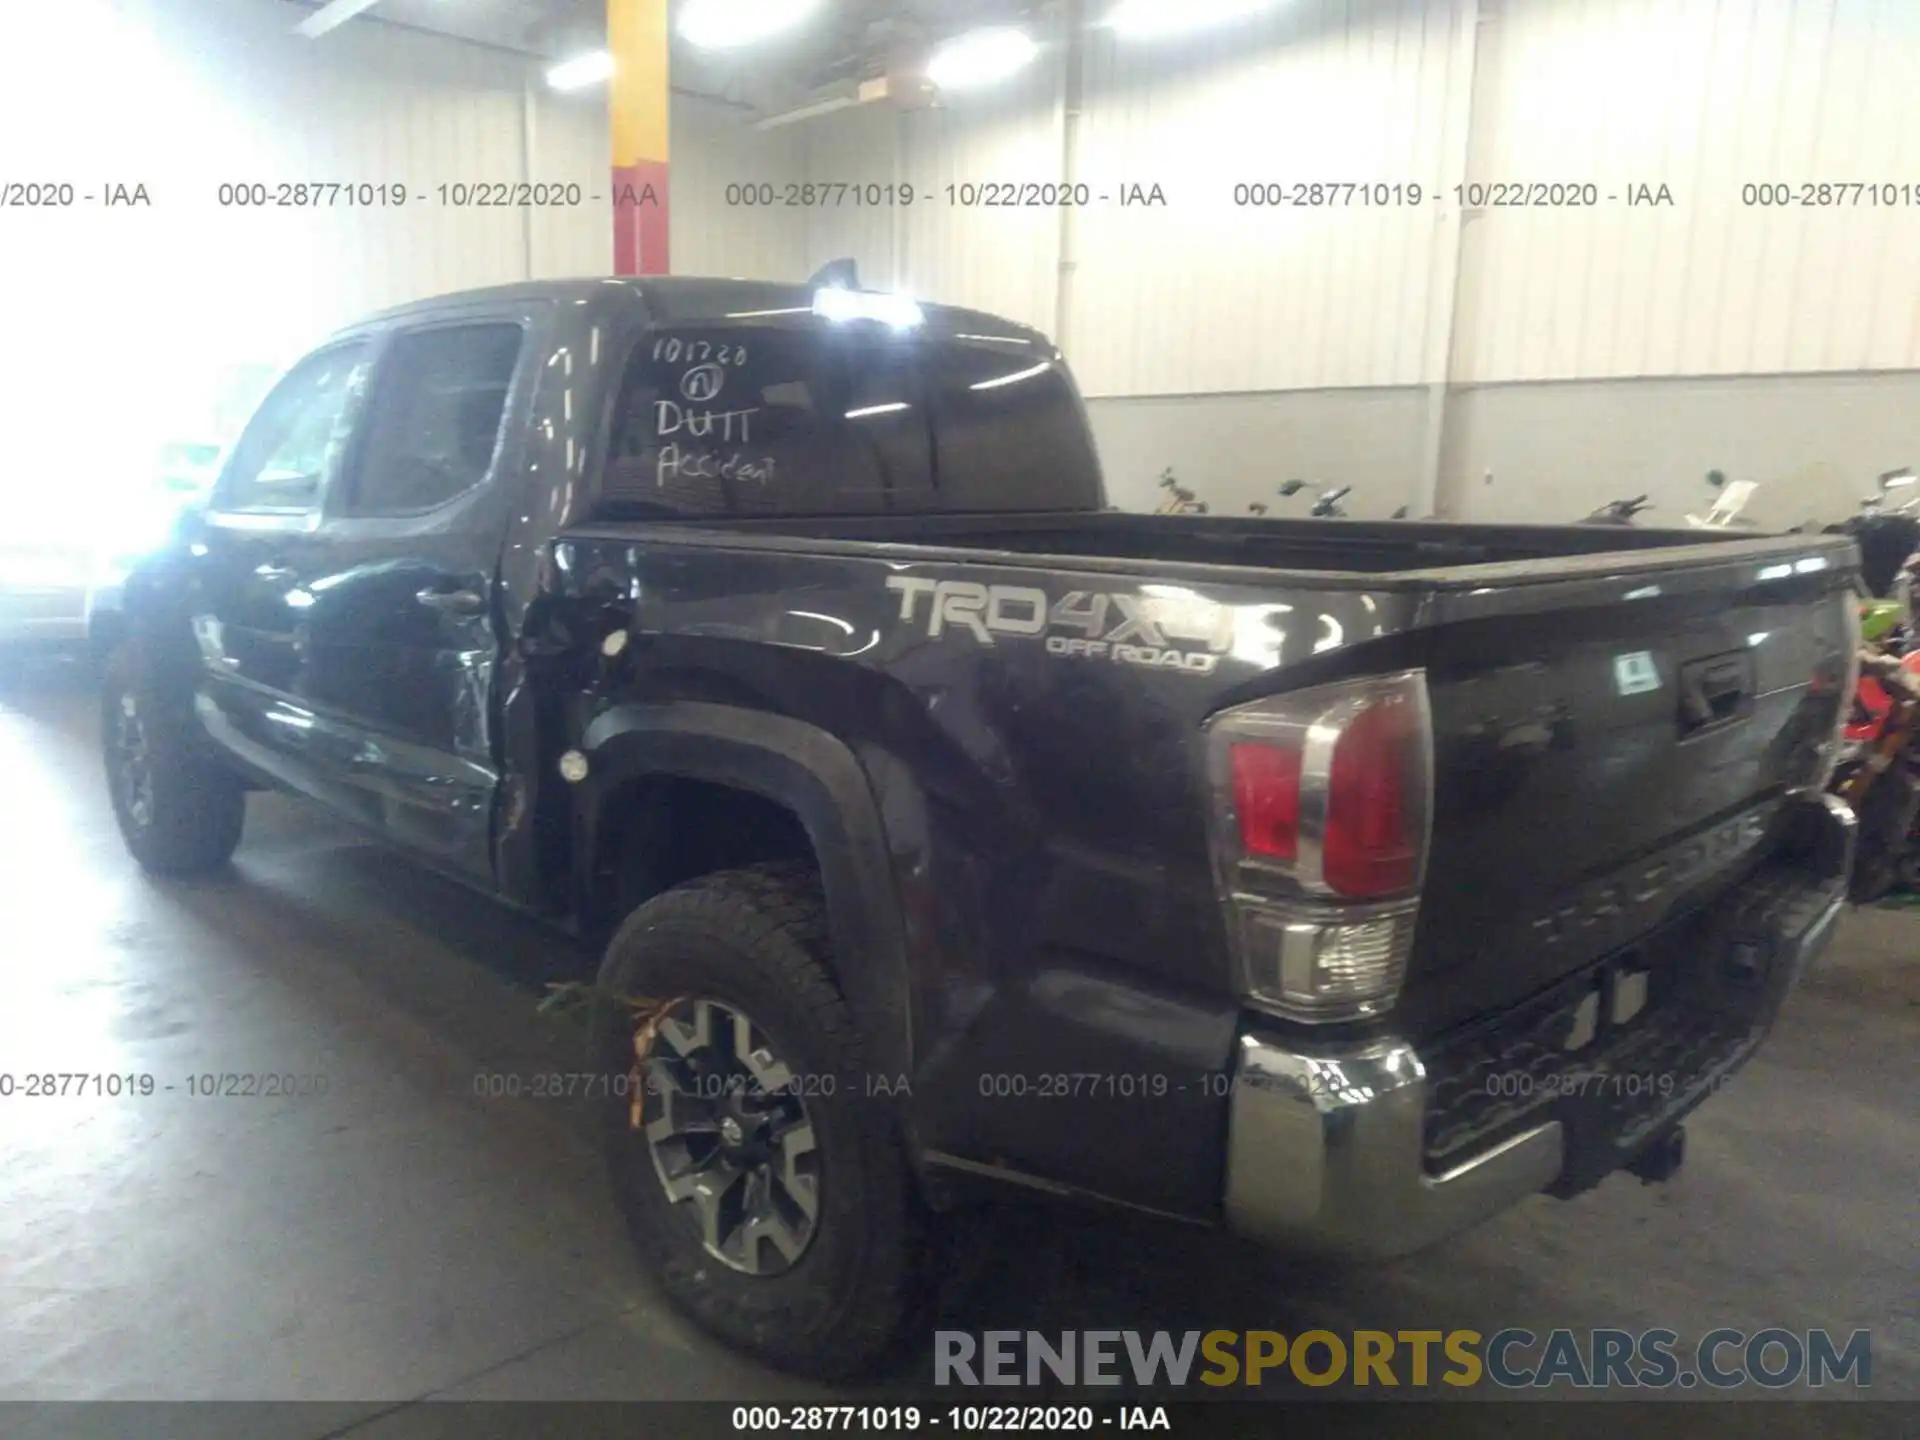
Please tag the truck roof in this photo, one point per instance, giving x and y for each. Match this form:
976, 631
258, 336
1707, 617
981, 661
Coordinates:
695, 299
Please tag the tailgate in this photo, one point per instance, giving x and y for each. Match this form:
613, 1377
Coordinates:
1609, 754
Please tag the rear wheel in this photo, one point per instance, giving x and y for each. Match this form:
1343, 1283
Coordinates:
180, 811
763, 1187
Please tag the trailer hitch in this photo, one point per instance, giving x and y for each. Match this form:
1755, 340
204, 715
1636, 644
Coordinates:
1660, 1161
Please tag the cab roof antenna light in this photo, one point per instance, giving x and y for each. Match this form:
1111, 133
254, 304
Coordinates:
897, 311
837, 296
838, 274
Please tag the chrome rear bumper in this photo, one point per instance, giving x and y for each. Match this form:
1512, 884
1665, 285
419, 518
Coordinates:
1326, 1150
1323, 1153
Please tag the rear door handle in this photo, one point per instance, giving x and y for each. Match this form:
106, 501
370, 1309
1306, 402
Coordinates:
272, 574
452, 602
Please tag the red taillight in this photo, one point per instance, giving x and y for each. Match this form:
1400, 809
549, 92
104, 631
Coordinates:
1321, 799
1327, 790
1372, 840
1266, 797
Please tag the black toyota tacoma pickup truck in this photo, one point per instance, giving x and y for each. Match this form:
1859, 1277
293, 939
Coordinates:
1340, 883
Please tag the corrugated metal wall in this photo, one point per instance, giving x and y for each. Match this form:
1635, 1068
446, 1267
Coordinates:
366, 104
1707, 98
1204, 296
714, 234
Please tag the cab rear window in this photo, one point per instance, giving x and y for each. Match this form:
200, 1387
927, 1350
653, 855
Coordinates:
737, 420
1009, 429
812, 418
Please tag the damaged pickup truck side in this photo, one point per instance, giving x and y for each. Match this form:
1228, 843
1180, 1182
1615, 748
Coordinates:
1342, 883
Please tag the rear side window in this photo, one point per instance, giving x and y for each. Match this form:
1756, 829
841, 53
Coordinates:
746, 420
433, 421
295, 440
1009, 430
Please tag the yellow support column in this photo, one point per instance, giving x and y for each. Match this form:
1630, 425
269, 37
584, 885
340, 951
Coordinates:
637, 110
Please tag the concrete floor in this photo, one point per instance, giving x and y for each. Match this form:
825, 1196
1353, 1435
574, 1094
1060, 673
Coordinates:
400, 1237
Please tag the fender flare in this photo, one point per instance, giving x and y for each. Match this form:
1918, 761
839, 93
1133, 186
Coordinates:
816, 776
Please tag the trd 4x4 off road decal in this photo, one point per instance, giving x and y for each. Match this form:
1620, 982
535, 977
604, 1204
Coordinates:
1129, 629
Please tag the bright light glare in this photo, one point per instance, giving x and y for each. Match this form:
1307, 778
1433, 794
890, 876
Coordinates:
42, 570
581, 71
1147, 18
723, 24
895, 310
1015, 378
981, 57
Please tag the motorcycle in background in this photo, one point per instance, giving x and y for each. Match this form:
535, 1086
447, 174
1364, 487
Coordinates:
1879, 775
1327, 506
1617, 512
1887, 533
1180, 500
1732, 498
1879, 770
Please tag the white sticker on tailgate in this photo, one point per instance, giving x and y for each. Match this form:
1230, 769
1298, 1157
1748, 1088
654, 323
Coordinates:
1635, 673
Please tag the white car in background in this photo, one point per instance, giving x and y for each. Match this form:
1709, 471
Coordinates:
61, 572
43, 590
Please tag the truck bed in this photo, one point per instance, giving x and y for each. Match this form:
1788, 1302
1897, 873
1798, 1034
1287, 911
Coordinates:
1322, 548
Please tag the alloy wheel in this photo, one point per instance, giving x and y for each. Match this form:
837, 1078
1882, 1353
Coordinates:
730, 1136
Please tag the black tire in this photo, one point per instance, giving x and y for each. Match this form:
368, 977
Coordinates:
187, 817
756, 940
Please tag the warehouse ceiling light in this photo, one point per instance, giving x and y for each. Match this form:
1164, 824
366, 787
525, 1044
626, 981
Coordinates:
581, 71
980, 57
1148, 18
724, 24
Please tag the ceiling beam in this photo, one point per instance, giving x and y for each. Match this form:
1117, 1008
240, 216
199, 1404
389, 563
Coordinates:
334, 13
